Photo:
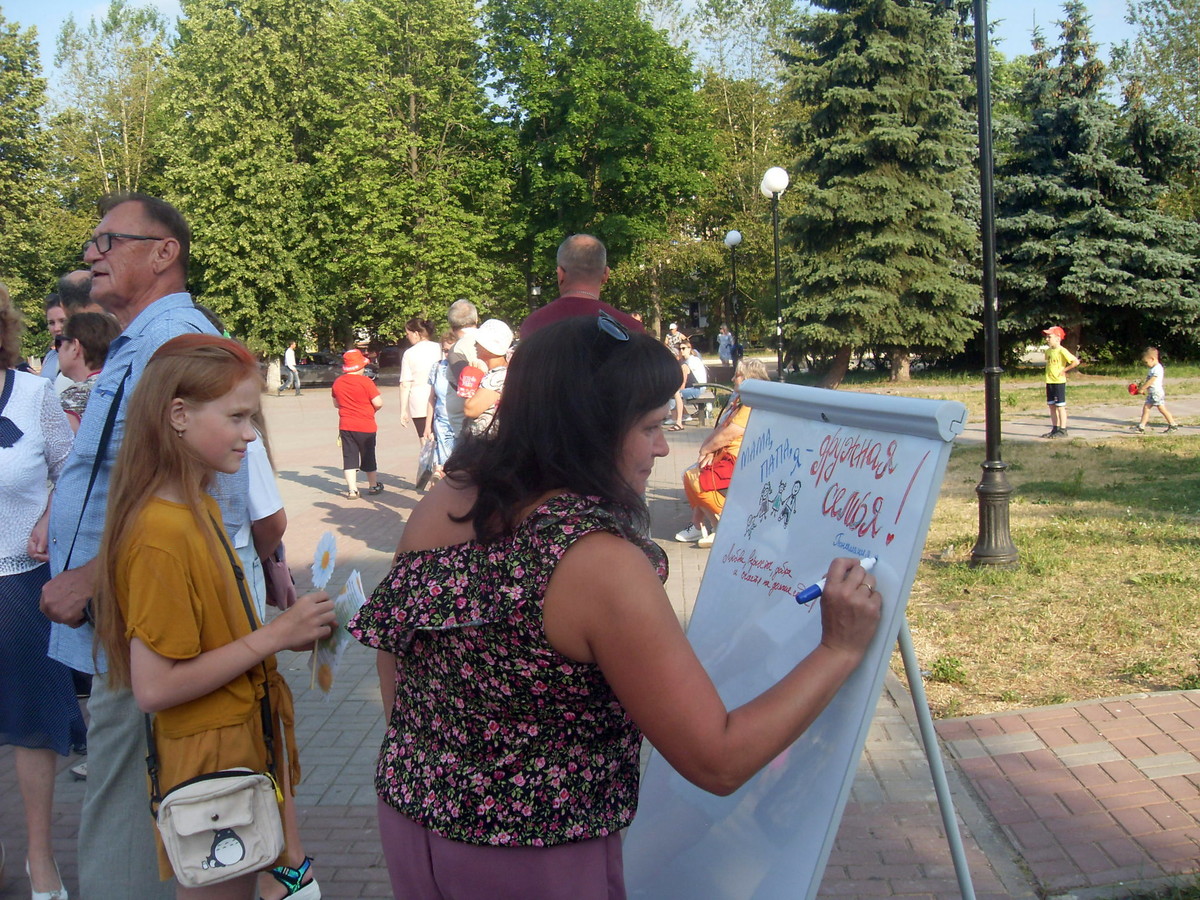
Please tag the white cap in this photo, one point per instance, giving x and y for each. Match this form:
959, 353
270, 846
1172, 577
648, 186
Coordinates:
495, 337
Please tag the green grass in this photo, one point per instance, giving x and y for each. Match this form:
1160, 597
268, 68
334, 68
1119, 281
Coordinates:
1106, 597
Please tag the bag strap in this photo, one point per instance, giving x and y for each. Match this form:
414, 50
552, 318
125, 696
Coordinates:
268, 721
9, 378
110, 423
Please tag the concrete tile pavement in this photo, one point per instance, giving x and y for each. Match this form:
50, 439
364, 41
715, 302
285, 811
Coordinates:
890, 842
1093, 423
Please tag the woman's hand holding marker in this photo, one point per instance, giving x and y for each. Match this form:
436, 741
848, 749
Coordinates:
851, 606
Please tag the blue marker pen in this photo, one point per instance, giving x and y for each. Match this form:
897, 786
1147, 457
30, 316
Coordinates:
813, 591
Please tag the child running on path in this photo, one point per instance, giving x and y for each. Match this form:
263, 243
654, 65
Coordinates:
1059, 361
169, 610
1156, 393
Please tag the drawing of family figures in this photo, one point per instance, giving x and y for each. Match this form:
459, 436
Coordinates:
775, 505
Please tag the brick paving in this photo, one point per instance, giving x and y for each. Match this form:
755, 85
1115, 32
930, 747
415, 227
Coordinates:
1092, 795
1080, 800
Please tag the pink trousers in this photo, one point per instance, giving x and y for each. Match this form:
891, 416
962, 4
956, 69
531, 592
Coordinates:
426, 866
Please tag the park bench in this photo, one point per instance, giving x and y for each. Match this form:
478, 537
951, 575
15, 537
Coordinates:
712, 399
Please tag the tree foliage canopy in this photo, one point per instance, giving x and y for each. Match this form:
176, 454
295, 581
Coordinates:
609, 136
26, 206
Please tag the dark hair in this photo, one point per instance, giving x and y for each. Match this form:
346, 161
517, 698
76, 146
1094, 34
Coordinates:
422, 326
75, 290
213, 319
94, 331
571, 395
51, 301
160, 212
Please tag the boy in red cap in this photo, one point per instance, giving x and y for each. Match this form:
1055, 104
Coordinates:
357, 400
1059, 361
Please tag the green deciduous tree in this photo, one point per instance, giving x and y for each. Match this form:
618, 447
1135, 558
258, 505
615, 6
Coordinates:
743, 88
1160, 69
26, 204
243, 107
1082, 239
1165, 55
412, 184
610, 137
106, 127
882, 244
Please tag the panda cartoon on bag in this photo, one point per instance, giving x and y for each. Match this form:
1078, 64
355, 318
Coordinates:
227, 850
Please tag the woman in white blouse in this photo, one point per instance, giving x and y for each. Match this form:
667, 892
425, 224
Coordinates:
423, 354
39, 714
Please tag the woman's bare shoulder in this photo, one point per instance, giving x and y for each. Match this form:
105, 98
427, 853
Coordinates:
433, 524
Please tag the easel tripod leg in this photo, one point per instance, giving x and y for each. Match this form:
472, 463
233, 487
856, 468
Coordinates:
933, 755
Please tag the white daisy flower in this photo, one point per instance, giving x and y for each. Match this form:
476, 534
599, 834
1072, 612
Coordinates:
324, 561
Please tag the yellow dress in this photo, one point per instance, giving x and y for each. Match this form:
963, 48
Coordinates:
714, 501
178, 595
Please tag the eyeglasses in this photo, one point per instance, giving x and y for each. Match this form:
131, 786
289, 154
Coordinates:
611, 327
59, 340
104, 240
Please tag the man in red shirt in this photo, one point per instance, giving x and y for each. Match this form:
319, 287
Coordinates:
582, 272
357, 400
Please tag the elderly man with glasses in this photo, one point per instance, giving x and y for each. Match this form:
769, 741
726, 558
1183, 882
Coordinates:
138, 257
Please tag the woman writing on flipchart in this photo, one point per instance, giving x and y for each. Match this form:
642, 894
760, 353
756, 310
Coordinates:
526, 643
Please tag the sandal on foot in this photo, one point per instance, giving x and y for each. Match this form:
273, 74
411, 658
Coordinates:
376, 489
351, 495
674, 427
293, 881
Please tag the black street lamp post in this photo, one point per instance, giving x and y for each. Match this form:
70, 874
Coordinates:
732, 240
774, 183
994, 546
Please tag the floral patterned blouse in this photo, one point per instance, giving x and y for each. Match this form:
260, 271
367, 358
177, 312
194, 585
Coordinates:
496, 738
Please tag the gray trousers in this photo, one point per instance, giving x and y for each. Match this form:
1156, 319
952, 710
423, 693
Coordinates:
117, 855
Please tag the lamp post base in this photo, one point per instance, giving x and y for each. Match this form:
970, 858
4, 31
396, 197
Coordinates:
994, 546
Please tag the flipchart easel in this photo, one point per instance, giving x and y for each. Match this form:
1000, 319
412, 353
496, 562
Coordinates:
820, 474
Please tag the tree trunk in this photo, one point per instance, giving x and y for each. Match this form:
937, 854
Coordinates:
900, 366
273, 374
837, 371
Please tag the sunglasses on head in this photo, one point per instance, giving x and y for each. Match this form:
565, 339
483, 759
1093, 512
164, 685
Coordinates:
611, 327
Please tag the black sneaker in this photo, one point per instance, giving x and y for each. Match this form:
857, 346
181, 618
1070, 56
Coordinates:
1053, 432
1062, 432
1171, 429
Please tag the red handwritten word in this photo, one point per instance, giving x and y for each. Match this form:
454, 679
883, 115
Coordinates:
855, 452
858, 510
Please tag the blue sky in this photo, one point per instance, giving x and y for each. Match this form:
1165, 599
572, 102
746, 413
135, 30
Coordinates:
1014, 20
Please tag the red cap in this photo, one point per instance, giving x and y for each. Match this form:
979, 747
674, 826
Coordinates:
353, 360
1056, 331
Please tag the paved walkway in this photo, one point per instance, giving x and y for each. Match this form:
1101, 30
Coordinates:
1078, 801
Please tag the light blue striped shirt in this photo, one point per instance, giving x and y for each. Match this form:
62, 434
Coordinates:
70, 520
